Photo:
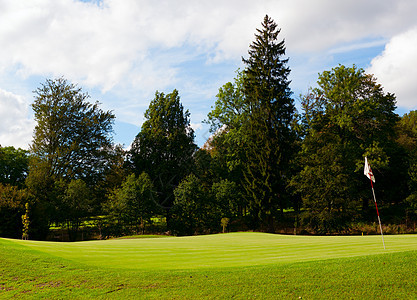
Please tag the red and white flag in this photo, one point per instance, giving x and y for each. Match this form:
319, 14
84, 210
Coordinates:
367, 170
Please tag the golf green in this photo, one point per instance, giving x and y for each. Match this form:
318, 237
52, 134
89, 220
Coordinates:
221, 250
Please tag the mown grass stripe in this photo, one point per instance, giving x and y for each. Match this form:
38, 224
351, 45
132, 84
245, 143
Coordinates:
28, 273
237, 249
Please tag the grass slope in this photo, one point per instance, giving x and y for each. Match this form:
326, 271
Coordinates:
223, 250
240, 265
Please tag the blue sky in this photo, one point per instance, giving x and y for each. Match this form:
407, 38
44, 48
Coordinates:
121, 52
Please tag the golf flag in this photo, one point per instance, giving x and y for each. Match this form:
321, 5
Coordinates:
368, 173
367, 170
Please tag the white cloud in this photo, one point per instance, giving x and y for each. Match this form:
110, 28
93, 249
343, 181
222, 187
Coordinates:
314, 26
113, 42
196, 126
128, 49
15, 126
395, 68
358, 46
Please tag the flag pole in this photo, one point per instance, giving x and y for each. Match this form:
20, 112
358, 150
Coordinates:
376, 206
367, 171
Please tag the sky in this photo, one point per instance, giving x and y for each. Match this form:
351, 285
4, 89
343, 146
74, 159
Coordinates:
122, 52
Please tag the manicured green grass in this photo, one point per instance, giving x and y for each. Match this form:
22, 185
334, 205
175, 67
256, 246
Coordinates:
240, 265
212, 251
141, 236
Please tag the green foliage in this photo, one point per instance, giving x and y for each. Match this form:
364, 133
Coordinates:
192, 207
198, 206
324, 184
13, 165
230, 108
11, 209
252, 123
407, 131
164, 147
226, 147
134, 203
260, 152
224, 222
117, 170
76, 204
226, 119
71, 141
268, 134
72, 136
228, 198
206, 167
346, 118
26, 223
407, 138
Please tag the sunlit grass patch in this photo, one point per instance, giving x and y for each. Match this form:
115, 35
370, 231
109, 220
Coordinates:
242, 265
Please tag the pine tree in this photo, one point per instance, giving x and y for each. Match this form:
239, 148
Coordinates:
269, 137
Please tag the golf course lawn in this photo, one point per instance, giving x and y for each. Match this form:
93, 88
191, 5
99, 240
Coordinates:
235, 265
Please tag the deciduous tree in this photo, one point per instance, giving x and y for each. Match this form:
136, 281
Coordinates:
346, 118
164, 147
407, 137
12, 207
134, 202
75, 203
71, 141
13, 165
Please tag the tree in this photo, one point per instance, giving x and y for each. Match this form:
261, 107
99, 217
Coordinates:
164, 147
323, 184
12, 207
13, 165
117, 169
74, 200
406, 133
226, 146
227, 199
13, 172
72, 136
134, 202
230, 109
71, 141
224, 222
268, 134
346, 118
226, 121
193, 211
25, 223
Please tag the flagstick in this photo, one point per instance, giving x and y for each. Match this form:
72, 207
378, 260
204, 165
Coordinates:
379, 220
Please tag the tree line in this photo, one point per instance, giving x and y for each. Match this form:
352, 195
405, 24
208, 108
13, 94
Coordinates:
265, 167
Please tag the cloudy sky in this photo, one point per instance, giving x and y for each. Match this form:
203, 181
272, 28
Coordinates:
121, 52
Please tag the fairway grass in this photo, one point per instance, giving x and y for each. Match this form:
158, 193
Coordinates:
221, 250
239, 265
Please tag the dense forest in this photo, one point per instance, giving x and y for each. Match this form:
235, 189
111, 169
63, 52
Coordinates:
266, 167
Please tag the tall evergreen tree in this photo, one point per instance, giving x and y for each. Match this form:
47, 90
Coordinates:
268, 134
164, 147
